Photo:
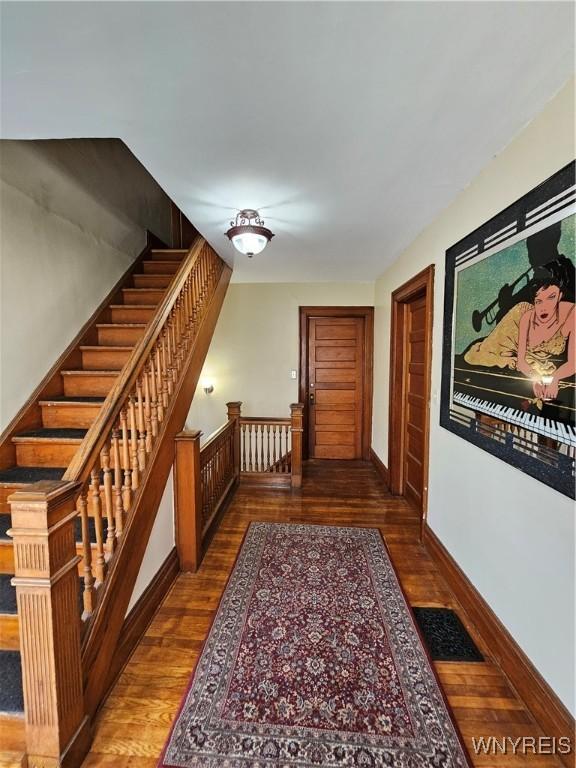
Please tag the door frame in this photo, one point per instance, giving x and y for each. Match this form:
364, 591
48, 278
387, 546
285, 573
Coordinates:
420, 284
306, 313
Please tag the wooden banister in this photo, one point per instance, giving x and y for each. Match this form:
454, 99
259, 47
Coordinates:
116, 480
96, 436
46, 582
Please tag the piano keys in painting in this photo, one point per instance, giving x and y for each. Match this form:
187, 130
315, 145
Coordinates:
509, 358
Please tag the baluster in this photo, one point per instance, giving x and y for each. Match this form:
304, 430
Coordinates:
88, 594
147, 412
262, 466
243, 447
133, 443
141, 430
281, 454
127, 487
167, 371
275, 468
158, 382
250, 447
190, 305
151, 376
174, 346
118, 506
100, 564
180, 329
267, 447
107, 472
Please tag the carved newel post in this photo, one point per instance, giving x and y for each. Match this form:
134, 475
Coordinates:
296, 413
46, 581
234, 414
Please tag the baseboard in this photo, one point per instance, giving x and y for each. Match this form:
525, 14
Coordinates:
545, 706
139, 618
381, 468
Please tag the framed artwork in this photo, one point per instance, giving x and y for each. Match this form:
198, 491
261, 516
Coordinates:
509, 352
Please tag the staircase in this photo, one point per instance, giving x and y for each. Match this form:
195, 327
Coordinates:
88, 442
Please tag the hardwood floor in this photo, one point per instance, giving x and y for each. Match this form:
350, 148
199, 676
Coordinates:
134, 723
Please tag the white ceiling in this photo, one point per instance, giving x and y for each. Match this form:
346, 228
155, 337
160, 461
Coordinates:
350, 125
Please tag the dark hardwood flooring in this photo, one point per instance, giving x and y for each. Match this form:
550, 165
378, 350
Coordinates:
134, 722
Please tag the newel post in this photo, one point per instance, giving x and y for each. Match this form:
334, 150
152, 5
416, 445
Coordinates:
296, 413
234, 414
46, 581
188, 500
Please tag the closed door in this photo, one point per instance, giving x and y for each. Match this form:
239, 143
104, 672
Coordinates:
415, 399
335, 387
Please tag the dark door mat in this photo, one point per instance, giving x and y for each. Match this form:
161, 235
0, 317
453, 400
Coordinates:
11, 697
7, 595
445, 635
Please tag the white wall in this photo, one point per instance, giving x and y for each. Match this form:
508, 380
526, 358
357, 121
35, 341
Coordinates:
161, 543
73, 216
510, 534
256, 345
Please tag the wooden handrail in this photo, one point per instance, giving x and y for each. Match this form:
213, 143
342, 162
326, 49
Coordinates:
92, 444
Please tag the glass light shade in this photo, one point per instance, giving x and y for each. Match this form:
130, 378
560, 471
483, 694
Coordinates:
249, 243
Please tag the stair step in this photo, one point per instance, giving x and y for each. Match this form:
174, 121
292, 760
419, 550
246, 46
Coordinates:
70, 411
168, 254
17, 476
8, 604
131, 313
145, 296
93, 383
152, 281
158, 266
11, 696
104, 358
14, 478
9, 638
47, 447
120, 334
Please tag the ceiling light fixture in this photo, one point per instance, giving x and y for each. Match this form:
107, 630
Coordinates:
248, 233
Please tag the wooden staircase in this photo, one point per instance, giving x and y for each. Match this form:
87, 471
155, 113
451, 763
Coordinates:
68, 434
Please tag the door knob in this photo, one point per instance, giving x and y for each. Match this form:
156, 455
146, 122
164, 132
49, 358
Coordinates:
311, 396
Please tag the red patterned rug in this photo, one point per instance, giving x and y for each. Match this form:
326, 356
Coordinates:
313, 659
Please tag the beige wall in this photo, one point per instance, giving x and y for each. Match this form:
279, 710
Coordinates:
512, 535
255, 346
73, 216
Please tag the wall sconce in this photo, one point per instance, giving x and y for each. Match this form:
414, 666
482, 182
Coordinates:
208, 386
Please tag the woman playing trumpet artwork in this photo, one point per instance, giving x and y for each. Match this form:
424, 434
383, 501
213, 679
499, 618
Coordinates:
509, 356
533, 336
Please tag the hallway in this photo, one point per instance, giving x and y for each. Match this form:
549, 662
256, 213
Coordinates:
134, 722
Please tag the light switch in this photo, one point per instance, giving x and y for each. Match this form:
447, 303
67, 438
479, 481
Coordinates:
293, 373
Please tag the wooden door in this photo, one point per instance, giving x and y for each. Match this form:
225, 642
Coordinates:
415, 405
335, 387
410, 359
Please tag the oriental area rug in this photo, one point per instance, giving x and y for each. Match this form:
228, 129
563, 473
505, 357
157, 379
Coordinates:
313, 659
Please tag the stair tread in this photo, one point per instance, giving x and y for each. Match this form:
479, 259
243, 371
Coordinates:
123, 325
150, 290
25, 475
89, 373
52, 433
107, 347
11, 695
169, 250
73, 399
132, 306
8, 605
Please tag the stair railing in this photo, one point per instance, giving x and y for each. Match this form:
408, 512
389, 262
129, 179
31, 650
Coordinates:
263, 450
102, 486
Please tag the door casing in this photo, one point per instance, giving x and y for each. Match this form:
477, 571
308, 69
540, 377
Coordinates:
303, 390
422, 283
